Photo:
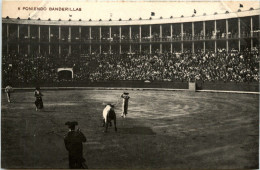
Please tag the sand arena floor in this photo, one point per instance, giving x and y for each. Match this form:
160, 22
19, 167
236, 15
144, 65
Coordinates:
164, 129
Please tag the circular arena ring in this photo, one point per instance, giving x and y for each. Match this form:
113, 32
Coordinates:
163, 129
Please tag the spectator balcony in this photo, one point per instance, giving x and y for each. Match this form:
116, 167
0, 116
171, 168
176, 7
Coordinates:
240, 29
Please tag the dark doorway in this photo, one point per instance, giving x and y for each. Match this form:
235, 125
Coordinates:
65, 75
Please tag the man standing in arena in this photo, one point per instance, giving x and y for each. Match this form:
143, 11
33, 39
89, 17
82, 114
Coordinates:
8, 91
73, 143
125, 97
38, 102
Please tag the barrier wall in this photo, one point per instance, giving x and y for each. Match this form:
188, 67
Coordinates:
227, 86
230, 86
126, 84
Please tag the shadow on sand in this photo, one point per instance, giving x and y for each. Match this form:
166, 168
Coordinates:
21, 102
47, 111
137, 130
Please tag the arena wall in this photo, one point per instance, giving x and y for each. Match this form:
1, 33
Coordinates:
110, 84
178, 85
230, 86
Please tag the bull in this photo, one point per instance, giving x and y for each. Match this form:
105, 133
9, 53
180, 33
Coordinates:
109, 115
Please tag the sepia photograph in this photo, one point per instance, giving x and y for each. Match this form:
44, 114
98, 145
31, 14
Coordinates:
126, 84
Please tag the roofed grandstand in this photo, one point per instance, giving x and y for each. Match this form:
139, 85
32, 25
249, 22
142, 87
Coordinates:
217, 47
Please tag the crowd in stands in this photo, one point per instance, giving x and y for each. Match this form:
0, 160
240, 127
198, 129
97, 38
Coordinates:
27, 68
201, 66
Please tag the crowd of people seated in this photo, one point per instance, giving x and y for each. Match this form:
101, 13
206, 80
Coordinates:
201, 66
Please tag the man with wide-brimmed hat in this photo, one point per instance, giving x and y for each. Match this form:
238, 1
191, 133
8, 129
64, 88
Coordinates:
125, 97
73, 143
